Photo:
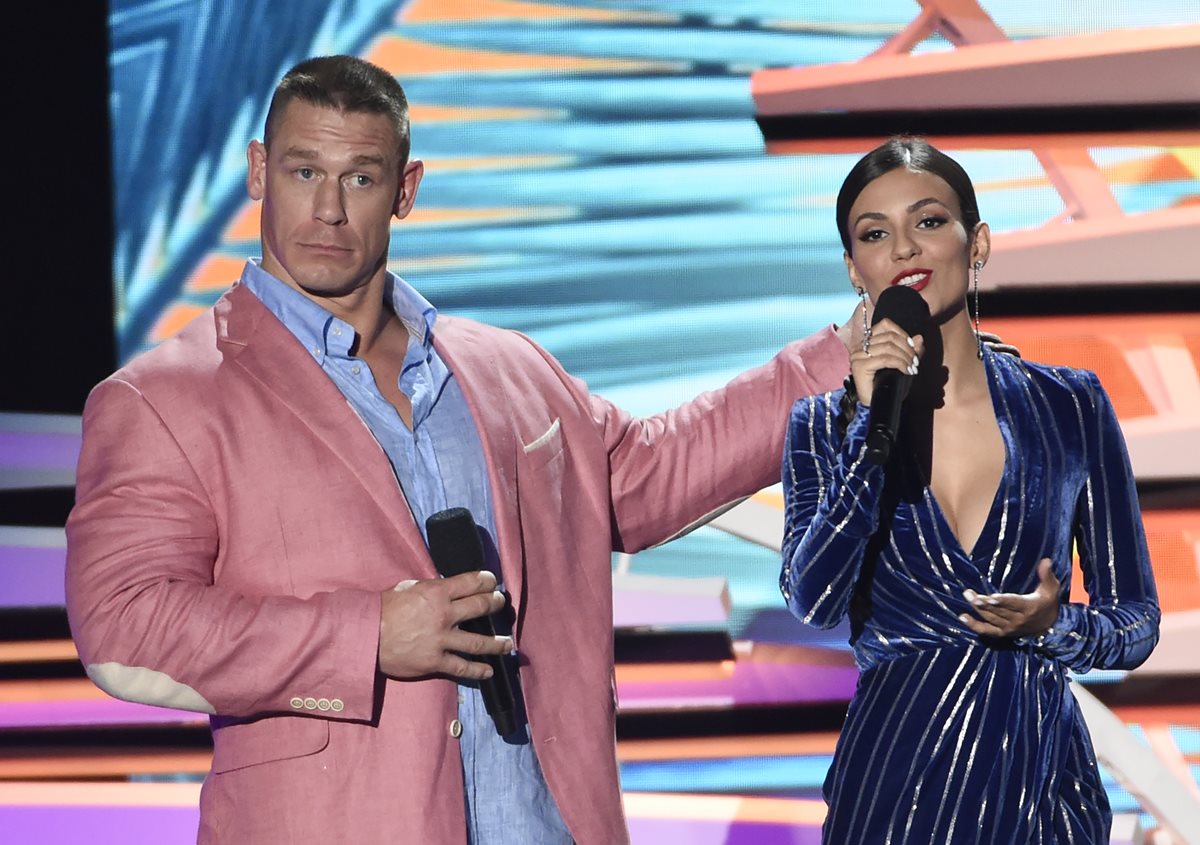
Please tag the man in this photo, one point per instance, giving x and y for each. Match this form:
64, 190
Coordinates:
240, 545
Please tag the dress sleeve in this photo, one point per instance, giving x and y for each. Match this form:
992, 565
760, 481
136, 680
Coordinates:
831, 502
1118, 627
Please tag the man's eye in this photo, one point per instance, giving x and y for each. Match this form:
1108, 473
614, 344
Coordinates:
361, 181
304, 172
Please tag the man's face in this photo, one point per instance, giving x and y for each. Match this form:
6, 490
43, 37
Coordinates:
330, 184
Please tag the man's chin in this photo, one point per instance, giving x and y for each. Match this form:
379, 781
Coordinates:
325, 289
329, 288
330, 280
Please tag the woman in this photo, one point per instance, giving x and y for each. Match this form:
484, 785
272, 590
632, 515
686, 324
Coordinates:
953, 560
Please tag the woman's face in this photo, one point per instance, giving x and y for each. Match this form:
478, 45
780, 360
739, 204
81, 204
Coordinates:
906, 229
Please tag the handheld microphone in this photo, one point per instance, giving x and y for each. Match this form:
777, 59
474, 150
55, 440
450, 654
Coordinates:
904, 307
455, 548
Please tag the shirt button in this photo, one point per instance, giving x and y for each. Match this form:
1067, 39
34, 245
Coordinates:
356, 369
455, 728
337, 330
310, 704
316, 350
298, 703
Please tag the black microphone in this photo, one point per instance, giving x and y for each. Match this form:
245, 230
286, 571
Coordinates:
904, 307
455, 548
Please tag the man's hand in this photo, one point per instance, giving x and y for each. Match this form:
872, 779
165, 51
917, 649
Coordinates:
997, 345
1016, 614
418, 628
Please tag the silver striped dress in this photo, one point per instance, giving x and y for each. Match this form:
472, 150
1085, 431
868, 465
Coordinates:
953, 738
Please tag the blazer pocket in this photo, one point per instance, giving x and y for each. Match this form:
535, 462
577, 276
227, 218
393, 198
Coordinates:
546, 445
238, 745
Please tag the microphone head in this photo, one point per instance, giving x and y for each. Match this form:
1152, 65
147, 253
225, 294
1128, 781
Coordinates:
904, 307
454, 542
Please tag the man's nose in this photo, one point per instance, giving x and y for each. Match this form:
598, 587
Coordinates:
330, 207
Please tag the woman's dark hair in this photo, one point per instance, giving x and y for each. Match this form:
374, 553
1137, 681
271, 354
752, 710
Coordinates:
913, 154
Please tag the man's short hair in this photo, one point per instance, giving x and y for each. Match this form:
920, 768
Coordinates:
345, 83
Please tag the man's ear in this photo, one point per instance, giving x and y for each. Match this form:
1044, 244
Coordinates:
256, 170
406, 190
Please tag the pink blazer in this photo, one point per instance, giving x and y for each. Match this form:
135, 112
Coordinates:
235, 523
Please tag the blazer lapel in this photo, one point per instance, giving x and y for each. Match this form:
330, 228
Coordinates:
465, 353
270, 354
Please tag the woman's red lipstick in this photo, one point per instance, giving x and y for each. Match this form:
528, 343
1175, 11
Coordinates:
916, 278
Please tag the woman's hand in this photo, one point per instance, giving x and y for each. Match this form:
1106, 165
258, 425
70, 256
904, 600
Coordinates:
888, 347
1016, 614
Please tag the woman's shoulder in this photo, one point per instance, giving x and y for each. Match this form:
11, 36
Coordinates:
1046, 376
1068, 393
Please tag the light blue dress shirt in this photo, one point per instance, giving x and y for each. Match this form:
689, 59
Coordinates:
439, 464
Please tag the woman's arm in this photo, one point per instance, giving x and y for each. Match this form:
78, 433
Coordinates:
831, 502
1118, 627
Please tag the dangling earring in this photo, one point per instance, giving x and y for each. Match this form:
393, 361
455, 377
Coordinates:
975, 295
866, 342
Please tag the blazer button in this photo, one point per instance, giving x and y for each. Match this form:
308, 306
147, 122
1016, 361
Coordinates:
455, 728
297, 703
310, 704
323, 704
336, 705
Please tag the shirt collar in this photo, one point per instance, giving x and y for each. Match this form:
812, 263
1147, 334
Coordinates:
324, 334
414, 310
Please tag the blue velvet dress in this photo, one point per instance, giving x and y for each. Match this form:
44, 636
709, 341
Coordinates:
952, 737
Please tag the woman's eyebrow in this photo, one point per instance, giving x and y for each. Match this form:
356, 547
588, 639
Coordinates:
923, 203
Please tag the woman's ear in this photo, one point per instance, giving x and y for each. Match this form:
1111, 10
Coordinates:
981, 244
852, 272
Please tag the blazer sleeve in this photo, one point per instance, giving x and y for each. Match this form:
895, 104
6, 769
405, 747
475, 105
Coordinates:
149, 621
1118, 627
831, 508
676, 469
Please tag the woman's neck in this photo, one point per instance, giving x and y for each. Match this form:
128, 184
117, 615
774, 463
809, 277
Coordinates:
966, 379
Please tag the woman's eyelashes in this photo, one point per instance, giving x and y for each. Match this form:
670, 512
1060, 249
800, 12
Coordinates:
931, 221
